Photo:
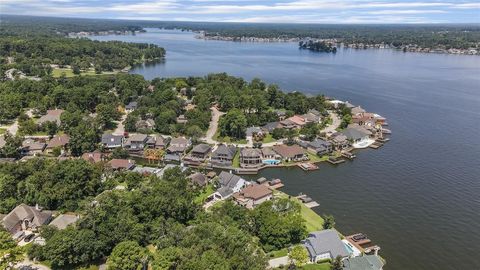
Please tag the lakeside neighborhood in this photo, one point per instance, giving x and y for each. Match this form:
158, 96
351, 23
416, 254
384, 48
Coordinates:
216, 168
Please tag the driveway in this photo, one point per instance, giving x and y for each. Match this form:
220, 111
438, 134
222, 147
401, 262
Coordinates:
120, 130
336, 121
277, 262
212, 129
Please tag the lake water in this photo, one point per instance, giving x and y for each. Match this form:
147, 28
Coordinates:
418, 197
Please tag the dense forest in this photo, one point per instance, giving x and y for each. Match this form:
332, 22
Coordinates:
317, 46
121, 224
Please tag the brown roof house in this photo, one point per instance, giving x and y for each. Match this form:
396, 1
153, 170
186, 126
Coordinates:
58, 141
201, 151
223, 155
253, 195
290, 152
122, 164
51, 116
30, 147
136, 142
93, 157
25, 218
198, 179
250, 157
156, 142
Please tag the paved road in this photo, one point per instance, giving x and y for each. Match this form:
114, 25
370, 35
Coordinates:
13, 128
335, 124
212, 129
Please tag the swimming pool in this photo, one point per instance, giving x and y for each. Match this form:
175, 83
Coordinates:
270, 161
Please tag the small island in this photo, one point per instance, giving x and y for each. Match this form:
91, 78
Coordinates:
317, 46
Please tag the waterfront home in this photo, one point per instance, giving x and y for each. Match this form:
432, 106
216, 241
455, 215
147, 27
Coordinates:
268, 153
25, 218
30, 147
200, 151
365, 262
357, 134
323, 245
121, 164
51, 116
288, 124
357, 110
145, 170
62, 221
110, 141
148, 124
255, 132
339, 141
229, 184
320, 147
290, 152
253, 195
58, 141
250, 157
136, 142
198, 179
297, 120
223, 155
93, 157
130, 107
312, 116
156, 142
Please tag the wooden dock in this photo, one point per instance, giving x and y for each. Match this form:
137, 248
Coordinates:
307, 201
307, 166
335, 161
376, 145
348, 154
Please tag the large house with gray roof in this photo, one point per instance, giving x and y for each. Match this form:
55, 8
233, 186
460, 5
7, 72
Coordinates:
223, 155
24, 217
325, 244
366, 262
229, 184
110, 141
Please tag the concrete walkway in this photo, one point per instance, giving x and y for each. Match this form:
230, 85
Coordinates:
277, 262
212, 129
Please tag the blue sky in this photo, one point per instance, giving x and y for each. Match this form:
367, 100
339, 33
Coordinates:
285, 11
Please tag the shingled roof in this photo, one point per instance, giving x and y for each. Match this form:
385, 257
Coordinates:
23, 212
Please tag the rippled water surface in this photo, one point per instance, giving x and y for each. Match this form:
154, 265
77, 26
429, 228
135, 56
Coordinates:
418, 197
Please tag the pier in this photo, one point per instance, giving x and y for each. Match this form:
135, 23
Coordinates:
307, 201
307, 166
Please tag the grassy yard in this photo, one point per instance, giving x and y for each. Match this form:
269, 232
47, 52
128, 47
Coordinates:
268, 139
315, 158
278, 253
236, 160
227, 139
57, 72
3, 130
313, 221
316, 266
207, 191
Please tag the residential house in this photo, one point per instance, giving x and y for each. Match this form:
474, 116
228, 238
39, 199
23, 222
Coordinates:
365, 262
268, 153
269, 127
181, 119
177, 148
145, 170
121, 164
62, 221
229, 184
25, 218
290, 152
298, 120
51, 116
288, 124
253, 195
250, 157
93, 157
320, 147
223, 155
200, 151
148, 124
339, 141
357, 110
254, 132
58, 141
356, 133
156, 142
30, 147
281, 114
326, 244
110, 141
312, 116
136, 142
130, 107
198, 179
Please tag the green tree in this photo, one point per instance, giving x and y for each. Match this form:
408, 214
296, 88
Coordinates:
328, 222
194, 132
121, 153
128, 255
12, 147
337, 263
298, 255
233, 124
9, 252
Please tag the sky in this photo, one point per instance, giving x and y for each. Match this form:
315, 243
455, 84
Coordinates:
277, 11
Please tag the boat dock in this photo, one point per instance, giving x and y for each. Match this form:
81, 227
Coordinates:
376, 145
335, 160
307, 166
348, 154
307, 201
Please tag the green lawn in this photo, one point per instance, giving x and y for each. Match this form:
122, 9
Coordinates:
3, 130
316, 266
57, 72
313, 221
209, 190
278, 253
227, 139
236, 160
315, 158
268, 139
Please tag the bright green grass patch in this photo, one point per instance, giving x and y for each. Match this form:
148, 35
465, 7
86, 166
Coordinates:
313, 221
236, 160
315, 158
268, 139
278, 253
227, 139
3, 130
207, 191
316, 266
